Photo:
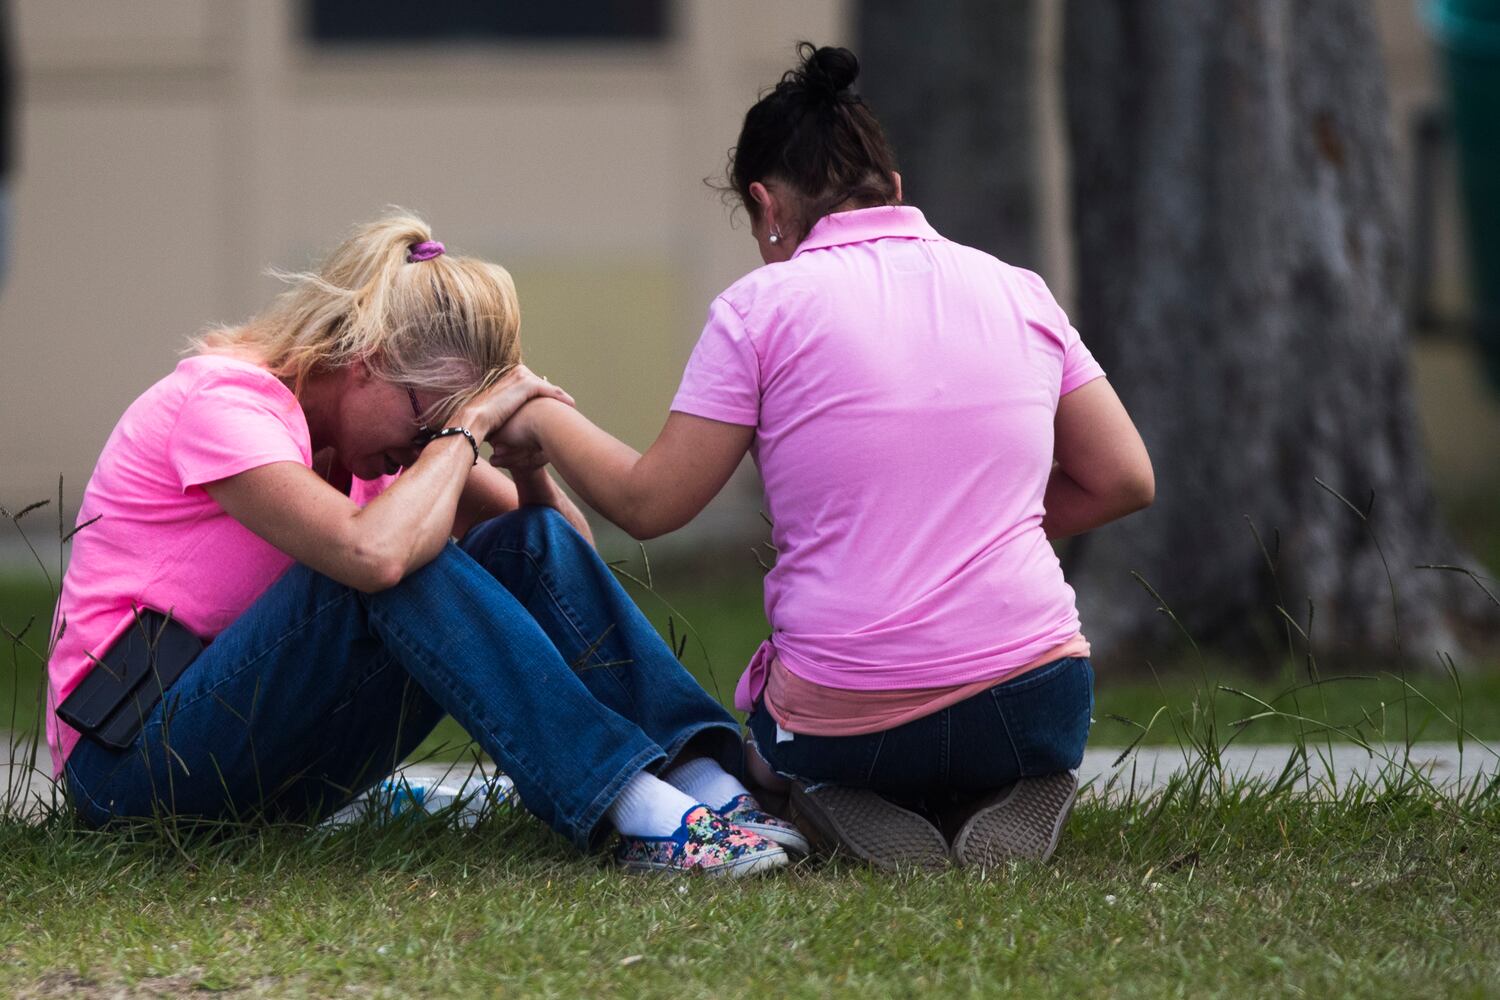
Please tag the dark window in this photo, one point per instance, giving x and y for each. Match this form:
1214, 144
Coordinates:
341, 22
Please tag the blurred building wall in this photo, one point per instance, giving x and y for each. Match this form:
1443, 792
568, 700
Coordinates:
170, 150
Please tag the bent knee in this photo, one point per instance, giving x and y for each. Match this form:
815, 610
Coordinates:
533, 528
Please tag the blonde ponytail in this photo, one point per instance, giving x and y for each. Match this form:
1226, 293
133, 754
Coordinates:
447, 325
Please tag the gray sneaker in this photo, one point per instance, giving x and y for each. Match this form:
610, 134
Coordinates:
1023, 821
875, 830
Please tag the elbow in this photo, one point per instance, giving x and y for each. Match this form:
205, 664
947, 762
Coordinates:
380, 577
644, 524
643, 529
1140, 491
375, 570
642, 532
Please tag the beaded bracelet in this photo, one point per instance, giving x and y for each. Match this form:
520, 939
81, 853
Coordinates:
451, 431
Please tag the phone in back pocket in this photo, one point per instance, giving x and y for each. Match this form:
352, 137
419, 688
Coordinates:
111, 703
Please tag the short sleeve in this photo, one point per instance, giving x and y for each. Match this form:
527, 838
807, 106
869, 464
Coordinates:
232, 420
1045, 315
722, 379
1079, 366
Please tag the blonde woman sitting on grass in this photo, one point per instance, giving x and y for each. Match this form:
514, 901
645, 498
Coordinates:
290, 495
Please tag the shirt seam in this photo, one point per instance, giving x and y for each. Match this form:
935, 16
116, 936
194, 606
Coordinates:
760, 374
191, 389
697, 407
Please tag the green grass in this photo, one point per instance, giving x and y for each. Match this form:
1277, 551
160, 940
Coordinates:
1203, 889
1375, 707
24, 598
1241, 894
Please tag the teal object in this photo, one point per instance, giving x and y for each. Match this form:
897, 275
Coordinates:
1469, 33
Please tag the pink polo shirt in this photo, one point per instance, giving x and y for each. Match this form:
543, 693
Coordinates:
902, 388
157, 539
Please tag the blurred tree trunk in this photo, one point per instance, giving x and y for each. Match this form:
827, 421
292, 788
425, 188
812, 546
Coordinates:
1239, 248
954, 84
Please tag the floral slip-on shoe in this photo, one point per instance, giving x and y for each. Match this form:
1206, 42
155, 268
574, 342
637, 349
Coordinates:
744, 812
703, 843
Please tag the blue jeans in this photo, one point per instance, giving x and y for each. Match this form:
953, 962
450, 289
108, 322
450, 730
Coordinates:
318, 691
1031, 725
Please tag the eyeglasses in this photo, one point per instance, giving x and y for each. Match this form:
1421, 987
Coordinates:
424, 433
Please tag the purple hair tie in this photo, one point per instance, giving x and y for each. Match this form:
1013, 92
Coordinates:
425, 251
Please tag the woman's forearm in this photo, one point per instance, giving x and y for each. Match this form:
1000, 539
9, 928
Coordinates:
370, 549
1073, 510
603, 470
535, 486
406, 526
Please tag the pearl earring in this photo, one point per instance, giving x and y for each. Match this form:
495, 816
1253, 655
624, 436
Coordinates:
775, 237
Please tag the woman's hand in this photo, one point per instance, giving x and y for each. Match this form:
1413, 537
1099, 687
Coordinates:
518, 451
518, 460
534, 487
515, 442
491, 409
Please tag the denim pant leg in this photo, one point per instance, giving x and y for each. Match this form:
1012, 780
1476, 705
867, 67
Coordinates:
903, 763
1045, 715
289, 712
614, 650
244, 717
381, 721
1032, 725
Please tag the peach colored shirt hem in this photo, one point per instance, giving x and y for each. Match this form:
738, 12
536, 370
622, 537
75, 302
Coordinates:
807, 708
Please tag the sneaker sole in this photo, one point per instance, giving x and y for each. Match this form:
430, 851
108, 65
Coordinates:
1026, 824
867, 826
763, 862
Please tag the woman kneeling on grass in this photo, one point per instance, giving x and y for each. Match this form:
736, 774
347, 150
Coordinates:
924, 419
281, 496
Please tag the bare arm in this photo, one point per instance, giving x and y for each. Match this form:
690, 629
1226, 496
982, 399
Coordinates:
401, 530
647, 495
488, 493
1101, 470
369, 549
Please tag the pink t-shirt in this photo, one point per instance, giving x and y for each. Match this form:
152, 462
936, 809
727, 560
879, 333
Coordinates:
902, 388
160, 541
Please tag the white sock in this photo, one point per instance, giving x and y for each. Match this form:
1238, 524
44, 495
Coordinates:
649, 807
706, 781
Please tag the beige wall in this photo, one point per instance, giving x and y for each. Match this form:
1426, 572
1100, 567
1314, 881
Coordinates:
172, 149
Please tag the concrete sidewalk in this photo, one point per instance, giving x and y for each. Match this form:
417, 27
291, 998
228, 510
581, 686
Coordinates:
1152, 767
1145, 770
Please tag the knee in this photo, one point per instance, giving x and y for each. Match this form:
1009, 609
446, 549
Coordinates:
540, 519
537, 530
540, 529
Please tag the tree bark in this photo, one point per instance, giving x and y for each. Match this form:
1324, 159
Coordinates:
1239, 251
954, 84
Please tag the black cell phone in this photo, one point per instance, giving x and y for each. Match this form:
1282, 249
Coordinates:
111, 703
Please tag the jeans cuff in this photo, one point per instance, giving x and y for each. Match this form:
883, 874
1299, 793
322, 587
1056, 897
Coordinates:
588, 831
730, 755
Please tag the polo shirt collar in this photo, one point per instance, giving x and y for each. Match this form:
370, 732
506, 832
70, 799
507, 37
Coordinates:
863, 224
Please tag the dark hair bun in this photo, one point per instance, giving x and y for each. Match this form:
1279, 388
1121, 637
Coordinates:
829, 70
814, 134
